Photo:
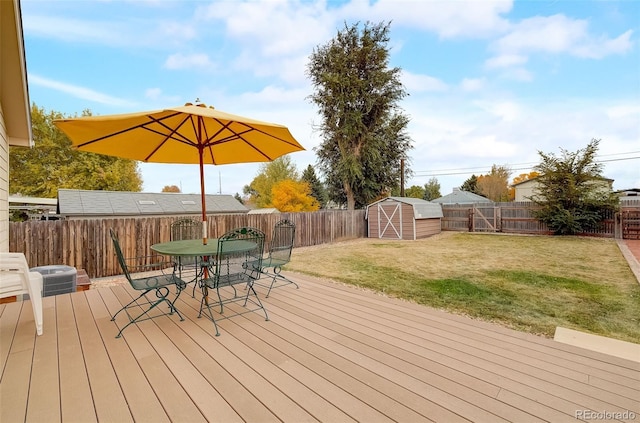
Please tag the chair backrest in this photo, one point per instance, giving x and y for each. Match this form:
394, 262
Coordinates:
119, 255
14, 274
186, 229
282, 241
239, 255
16, 279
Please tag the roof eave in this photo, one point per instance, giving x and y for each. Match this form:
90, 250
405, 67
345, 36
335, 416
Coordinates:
14, 92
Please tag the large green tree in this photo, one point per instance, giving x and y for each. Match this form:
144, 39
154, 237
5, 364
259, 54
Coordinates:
572, 193
318, 191
414, 191
52, 164
362, 127
269, 174
471, 185
432, 189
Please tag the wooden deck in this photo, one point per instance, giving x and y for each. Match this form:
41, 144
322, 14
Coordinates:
329, 353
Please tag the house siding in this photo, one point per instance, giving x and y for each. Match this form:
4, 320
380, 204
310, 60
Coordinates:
4, 185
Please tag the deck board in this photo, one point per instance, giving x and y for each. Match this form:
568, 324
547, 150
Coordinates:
329, 353
45, 395
483, 352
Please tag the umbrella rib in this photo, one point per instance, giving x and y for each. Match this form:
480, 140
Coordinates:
173, 131
211, 141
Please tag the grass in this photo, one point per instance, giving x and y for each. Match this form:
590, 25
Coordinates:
529, 283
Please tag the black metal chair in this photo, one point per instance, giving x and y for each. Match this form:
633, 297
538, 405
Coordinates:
279, 254
232, 265
159, 285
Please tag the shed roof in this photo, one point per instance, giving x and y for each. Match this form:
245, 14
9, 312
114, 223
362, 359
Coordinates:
422, 209
72, 202
459, 196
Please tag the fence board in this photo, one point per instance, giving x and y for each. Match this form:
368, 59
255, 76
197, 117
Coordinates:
86, 244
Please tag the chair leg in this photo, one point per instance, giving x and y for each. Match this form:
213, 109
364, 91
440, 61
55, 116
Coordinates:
249, 291
161, 294
276, 275
204, 302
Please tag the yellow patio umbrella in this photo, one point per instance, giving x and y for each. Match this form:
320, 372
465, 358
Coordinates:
184, 134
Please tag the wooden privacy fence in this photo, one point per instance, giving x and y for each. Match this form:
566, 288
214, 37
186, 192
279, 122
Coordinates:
86, 244
513, 217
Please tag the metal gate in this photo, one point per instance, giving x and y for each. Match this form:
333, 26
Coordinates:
630, 223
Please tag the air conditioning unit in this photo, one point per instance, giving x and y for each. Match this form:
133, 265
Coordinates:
57, 279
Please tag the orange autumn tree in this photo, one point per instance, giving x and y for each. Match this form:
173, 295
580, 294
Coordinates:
293, 196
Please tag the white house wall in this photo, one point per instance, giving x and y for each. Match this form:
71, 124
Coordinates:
4, 185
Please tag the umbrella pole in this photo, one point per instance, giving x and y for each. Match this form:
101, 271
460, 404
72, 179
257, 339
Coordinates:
203, 198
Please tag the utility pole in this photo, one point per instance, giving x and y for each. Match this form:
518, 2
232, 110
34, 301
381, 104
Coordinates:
401, 177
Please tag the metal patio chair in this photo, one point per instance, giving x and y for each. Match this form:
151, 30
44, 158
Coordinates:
139, 308
189, 268
279, 254
233, 264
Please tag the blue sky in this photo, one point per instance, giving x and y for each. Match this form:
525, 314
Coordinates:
489, 82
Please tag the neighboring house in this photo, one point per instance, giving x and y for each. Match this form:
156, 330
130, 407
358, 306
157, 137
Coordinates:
629, 197
461, 197
269, 210
525, 190
15, 112
84, 204
34, 207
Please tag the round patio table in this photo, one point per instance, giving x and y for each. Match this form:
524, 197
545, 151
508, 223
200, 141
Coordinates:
194, 247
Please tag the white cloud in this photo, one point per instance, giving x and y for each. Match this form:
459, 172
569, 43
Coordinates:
506, 60
80, 92
190, 61
153, 93
559, 34
517, 74
421, 83
274, 28
150, 33
507, 111
448, 19
472, 84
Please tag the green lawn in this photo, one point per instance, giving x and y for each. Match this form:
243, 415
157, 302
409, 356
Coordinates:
529, 283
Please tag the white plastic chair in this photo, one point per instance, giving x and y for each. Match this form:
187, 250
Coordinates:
16, 279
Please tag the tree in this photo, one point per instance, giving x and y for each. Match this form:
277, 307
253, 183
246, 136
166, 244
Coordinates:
259, 190
495, 184
318, 191
171, 188
52, 164
520, 179
432, 189
414, 191
363, 130
471, 185
572, 194
292, 196
239, 198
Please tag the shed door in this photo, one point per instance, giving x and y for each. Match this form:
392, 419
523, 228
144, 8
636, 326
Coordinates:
390, 221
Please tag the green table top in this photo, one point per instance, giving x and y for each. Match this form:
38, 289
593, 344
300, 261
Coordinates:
194, 247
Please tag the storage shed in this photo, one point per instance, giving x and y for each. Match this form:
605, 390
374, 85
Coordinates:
403, 218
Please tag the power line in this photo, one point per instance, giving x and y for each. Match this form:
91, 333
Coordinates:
466, 170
